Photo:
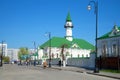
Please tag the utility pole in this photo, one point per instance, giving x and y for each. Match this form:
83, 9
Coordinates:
1, 56
49, 49
34, 46
96, 70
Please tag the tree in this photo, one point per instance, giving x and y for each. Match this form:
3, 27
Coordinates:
6, 59
22, 52
62, 51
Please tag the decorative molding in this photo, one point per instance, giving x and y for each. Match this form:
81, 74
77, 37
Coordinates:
75, 46
115, 31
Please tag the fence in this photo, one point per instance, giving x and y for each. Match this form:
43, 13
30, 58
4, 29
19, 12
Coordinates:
109, 62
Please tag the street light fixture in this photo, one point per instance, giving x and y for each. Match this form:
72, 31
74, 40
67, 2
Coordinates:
1, 64
49, 35
96, 70
34, 53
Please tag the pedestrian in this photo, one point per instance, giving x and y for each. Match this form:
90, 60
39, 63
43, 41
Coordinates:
44, 64
34, 62
60, 63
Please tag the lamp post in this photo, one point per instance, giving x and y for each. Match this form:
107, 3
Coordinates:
96, 70
34, 53
1, 56
49, 35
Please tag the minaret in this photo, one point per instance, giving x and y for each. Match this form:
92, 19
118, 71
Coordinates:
68, 26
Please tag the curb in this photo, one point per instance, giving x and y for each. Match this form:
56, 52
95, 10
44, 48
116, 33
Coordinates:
103, 75
56, 68
88, 73
68, 70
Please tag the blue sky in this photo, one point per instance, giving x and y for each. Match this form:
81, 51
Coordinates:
25, 21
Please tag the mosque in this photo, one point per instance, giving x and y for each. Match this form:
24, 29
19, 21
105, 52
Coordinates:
69, 46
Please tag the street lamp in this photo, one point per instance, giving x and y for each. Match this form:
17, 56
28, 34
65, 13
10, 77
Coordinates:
96, 70
49, 35
1, 55
34, 53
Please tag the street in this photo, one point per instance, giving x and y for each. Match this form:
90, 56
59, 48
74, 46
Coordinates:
15, 72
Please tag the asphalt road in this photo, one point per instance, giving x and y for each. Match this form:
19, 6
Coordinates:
15, 72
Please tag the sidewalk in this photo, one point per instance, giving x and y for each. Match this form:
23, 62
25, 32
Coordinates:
83, 70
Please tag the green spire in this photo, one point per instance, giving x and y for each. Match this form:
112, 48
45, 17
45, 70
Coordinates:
68, 17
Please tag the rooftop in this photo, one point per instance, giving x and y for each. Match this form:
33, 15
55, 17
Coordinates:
115, 32
68, 17
76, 43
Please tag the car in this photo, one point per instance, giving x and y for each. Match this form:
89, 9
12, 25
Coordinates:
6, 62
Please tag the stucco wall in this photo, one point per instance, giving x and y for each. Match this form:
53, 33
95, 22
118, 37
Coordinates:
57, 52
82, 62
109, 46
78, 62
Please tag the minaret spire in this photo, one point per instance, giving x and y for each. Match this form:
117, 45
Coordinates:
68, 26
68, 17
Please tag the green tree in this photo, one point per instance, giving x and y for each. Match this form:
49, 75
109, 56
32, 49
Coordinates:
22, 52
6, 59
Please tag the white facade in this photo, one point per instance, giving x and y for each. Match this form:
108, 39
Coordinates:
13, 54
4, 46
69, 52
31, 52
110, 46
69, 26
69, 34
82, 62
40, 53
73, 51
88, 63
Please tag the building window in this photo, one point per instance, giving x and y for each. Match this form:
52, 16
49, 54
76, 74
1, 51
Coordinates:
78, 55
82, 55
71, 55
104, 51
114, 50
67, 54
52, 55
57, 55
87, 55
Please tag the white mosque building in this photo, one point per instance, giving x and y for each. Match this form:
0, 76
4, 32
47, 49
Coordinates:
73, 48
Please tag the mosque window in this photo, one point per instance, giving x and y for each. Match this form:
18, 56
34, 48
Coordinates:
57, 55
82, 55
78, 55
87, 55
52, 55
71, 55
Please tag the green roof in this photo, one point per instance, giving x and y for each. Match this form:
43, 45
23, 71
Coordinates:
68, 17
35, 54
58, 42
107, 35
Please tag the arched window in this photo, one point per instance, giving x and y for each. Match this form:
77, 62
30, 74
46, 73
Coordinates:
82, 55
104, 51
67, 54
52, 55
78, 55
57, 55
114, 49
86, 55
71, 55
